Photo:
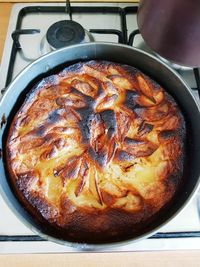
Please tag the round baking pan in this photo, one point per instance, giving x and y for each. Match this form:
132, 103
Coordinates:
161, 73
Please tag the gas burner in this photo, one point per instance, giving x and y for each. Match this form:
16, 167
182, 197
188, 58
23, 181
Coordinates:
172, 64
64, 33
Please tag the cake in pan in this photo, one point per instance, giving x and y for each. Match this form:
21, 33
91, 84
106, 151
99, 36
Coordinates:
96, 150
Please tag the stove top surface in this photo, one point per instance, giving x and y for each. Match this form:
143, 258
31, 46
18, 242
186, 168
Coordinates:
101, 22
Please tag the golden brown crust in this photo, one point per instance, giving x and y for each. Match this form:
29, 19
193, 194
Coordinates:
97, 148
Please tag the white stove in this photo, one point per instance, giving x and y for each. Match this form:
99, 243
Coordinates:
112, 23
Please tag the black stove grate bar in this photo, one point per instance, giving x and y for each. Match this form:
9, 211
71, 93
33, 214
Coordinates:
68, 8
132, 36
74, 9
131, 10
17, 33
63, 9
33, 238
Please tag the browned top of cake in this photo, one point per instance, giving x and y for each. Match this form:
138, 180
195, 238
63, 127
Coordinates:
96, 148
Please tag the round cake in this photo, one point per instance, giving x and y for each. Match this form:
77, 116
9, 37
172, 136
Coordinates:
96, 151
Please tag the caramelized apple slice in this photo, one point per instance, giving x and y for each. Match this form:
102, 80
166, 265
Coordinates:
144, 101
30, 144
93, 184
71, 100
170, 150
145, 88
154, 114
113, 70
97, 132
113, 189
57, 90
170, 123
144, 128
82, 176
128, 83
70, 170
99, 75
158, 96
123, 120
48, 154
105, 102
111, 148
130, 202
84, 87
139, 148
72, 117
120, 81
110, 89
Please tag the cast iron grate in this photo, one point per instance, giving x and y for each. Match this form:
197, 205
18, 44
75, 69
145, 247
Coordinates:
122, 33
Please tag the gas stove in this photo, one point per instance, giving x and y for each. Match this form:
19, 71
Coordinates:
37, 29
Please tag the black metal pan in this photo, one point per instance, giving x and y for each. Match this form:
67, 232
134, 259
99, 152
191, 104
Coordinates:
174, 85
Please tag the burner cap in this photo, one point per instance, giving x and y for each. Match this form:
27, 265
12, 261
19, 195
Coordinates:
64, 33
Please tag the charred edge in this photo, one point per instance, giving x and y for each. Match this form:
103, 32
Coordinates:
167, 134
173, 181
130, 99
131, 141
47, 211
99, 157
75, 68
39, 131
127, 168
108, 116
53, 116
87, 99
83, 123
145, 128
122, 155
84, 113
